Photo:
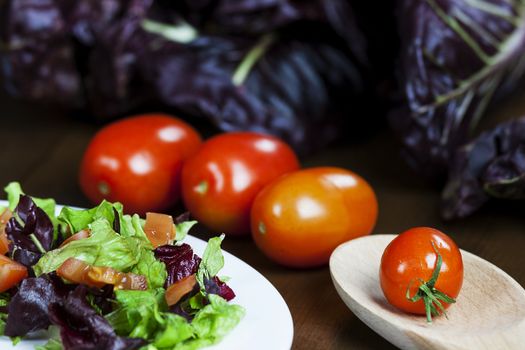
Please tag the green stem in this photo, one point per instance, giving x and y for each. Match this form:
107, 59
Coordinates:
181, 32
432, 297
251, 58
37, 243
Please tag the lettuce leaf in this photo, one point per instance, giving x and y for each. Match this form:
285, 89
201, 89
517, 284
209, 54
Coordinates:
139, 313
148, 266
128, 251
104, 247
144, 314
52, 344
212, 261
182, 229
215, 320
79, 219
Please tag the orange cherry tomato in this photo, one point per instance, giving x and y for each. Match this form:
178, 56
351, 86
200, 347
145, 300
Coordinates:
410, 258
300, 218
11, 273
137, 161
220, 182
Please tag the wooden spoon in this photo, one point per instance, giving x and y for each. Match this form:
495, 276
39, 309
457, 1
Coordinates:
489, 312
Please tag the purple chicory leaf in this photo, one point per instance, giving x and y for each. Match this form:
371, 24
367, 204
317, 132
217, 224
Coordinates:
29, 308
82, 328
180, 261
456, 57
302, 90
36, 55
493, 165
256, 17
115, 87
32, 235
216, 286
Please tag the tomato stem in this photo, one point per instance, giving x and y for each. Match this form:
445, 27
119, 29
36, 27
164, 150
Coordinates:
202, 187
262, 228
432, 297
103, 188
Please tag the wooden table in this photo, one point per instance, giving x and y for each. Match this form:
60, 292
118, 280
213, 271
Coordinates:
42, 148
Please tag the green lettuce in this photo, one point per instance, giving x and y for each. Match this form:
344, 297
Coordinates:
104, 247
129, 251
79, 219
139, 313
182, 229
212, 260
52, 344
144, 314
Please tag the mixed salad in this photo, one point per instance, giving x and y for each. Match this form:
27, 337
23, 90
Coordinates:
99, 279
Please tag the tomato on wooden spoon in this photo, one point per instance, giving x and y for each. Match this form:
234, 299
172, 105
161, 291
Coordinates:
137, 161
300, 218
220, 182
418, 265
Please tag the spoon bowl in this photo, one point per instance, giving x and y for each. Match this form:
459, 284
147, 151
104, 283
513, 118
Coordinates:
489, 312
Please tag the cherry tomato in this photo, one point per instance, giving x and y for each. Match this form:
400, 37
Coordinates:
137, 161
300, 218
411, 258
221, 181
11, 273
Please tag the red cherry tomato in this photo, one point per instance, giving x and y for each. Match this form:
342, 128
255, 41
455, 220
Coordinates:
220, 182
411, 258
11, 273
137, 161
300, 218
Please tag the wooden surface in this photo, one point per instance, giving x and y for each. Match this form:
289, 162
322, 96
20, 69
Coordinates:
42, 148
473, 322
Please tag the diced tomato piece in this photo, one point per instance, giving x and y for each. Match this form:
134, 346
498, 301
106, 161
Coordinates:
79, 235
177, 290
101, 275
159, 229
5, 216
4, 242
77, 271
131, 281
11, 273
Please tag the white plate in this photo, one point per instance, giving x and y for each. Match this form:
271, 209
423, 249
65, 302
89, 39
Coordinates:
267, 324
